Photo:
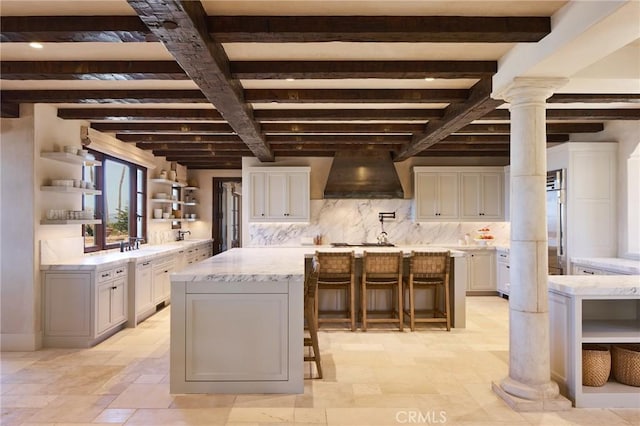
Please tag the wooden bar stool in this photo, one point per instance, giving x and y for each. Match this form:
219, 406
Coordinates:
382, 271
338, 273
429, 270
310, 288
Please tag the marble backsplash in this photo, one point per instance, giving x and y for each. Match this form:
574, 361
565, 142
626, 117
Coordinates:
356, 221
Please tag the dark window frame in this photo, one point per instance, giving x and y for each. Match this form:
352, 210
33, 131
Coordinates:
100, 229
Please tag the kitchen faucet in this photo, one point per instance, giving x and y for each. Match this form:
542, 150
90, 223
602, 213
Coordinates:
133, 244
383, 237
181, 235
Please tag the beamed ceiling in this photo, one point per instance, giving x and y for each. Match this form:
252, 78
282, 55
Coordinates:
204, 83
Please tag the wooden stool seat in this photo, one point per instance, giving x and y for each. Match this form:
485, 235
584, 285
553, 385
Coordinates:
429, 270
382, 271
310, 288
338, 273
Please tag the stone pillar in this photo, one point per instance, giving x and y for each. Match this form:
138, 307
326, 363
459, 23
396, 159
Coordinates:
528, 386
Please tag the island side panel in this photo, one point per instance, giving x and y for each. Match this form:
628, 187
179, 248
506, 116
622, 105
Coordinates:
237, 337
460, 277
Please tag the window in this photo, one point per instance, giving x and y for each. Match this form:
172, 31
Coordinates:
122, 205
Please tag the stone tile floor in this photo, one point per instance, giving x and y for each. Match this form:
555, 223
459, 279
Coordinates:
381, 377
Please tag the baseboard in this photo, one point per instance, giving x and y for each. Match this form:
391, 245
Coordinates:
20, 342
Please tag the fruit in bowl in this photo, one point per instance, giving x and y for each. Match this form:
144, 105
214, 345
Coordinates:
484, 230
485, 237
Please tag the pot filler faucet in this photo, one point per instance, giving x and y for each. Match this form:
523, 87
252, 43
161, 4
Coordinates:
383, 237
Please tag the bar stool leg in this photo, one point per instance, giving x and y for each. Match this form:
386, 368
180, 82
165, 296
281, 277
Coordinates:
400, 311
352, 306
363, 298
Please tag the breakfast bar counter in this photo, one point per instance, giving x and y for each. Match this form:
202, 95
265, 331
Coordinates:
237, 318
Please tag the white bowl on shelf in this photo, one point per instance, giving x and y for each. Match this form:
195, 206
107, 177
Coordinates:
70, 149
483, 241
160, 196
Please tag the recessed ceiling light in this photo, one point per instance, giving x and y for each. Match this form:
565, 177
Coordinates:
429, 79
36, 45
291, 79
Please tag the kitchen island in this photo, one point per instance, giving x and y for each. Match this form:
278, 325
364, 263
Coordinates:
598, 309
237, 319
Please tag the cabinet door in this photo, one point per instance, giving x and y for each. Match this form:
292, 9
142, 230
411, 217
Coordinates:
491, 202
158, 284
482, 275
426, 195
297, 196
118, 301
436, 196
103, 308
257, 195
448, 196
276, 196
470, 195
144, 289
502, 277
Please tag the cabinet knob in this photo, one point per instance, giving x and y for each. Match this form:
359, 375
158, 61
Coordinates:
113, 288
508, 267
262, 214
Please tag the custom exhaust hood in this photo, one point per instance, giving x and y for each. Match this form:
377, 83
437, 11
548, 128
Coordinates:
363, 174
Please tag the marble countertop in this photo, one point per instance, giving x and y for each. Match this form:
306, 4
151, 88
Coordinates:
596, 285
114, 259
272, 263
625, 266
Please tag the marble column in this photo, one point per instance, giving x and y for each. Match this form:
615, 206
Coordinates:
529, 386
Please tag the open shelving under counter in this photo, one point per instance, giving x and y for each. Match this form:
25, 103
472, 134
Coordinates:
598, 309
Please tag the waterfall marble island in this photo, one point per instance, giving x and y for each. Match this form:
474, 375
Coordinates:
237, 318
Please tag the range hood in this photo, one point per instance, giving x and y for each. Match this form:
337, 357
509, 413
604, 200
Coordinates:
363, 174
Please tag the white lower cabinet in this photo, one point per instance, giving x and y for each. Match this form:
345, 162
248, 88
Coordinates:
141, 293
503, 280
84, 307
111, 304
482, 276
162, 268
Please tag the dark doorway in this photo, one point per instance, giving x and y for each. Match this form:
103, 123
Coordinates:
227, 207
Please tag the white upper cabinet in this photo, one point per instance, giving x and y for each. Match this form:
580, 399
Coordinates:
481, 195
279, 194
436, 195
454, 193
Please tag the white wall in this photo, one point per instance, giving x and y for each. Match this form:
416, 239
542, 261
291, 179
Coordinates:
19, 290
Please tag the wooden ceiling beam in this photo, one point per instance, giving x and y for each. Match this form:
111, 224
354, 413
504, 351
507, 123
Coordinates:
458, 138
410, 29
181, 26
92, 70
456, 116
339, 139
298, 128
357, 95
57, 29
431, 153
280, 70
270, 115
188, 147
582, 114
310, 146
175, 155
138, 114
9, 110
103, 96
552, 128
177, 138
124, 127
594, 98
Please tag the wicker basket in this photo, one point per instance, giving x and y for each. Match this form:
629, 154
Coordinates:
596, 365
626, 364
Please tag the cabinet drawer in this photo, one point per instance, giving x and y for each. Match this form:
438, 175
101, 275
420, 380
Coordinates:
109, 274
503, 257
105, 275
